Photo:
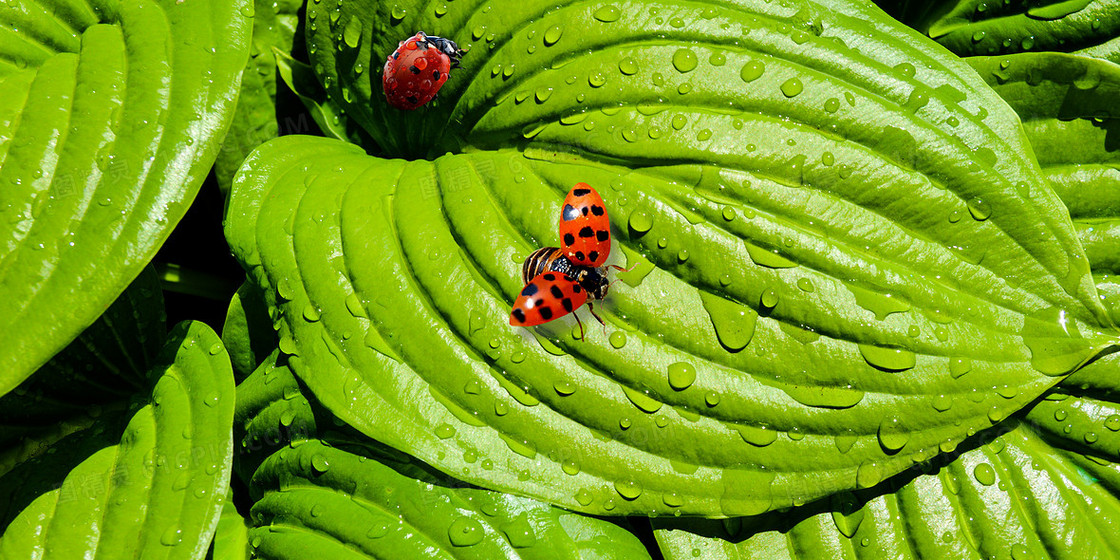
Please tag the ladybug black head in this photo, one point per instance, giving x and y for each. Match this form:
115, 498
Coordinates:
447, 47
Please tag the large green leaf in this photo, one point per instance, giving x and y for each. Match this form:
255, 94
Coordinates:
110, 116
231, 538
983, 27
148, 483
315, 498
845, 258
1068, 107
1014, 497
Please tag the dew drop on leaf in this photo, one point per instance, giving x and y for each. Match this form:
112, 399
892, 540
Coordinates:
465, 531
608, 14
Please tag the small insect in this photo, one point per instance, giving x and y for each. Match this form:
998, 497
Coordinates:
417, 69
559, 280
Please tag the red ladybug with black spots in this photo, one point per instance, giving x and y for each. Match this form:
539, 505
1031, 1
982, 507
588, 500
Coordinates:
417, 69
559, 280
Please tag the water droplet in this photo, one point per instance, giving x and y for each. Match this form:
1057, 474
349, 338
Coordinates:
628, 66
672, 499
758, 436
628, 489
868, 474
684, 60
608, 14
445, 431
618, 339
311, 313
465, 531
704, 135
941, 403
597, 79
1091, 437
172, 536
543, 94
769, 299
751, 71
640, 221
679, 121
717, 59
1028, 43
893, 435
978, 36
711, 398
805, 284
979, 209
553, 35
320, 463
889, 359
583, 497
352, 35
563, 388
984, 474
792, 87
681, 375
1112, 422
1019, 552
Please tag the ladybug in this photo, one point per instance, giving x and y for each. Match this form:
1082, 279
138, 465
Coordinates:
417, 69
558, 280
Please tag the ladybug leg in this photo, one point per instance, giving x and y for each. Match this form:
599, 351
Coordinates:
580, 323
591, 308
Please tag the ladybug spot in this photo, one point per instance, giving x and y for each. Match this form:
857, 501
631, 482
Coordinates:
396, 55
556, 291
435, 74
581, 192
414, 69
538, 303
593, 256
412, 99
519, 315
602, 235
584, 209
550, 277
597, 210
569, 213
587, 232
546, 313
567, 303
569, 239
529, 290
579, 256
576, 289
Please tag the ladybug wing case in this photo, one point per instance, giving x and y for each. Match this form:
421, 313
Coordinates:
585, 229
414, 73
548, 296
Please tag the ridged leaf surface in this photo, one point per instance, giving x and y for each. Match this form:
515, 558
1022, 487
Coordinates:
110, 117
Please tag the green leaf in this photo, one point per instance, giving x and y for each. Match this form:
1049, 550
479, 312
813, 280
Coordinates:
231, 539
247, 332
255, 118
854, 251
111, 114
1067, 105
150, 482
352, 498
1013, 496
980, 27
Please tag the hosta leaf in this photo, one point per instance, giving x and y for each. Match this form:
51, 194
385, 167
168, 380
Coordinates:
231, 538
110, 116
853, 252
255, 118
316, 499
980, 27
1068, 107
154, 486
1013, 497
247, 332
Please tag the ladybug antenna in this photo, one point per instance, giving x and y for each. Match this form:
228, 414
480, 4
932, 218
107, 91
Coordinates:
612, 282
